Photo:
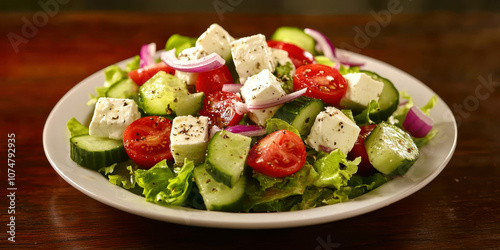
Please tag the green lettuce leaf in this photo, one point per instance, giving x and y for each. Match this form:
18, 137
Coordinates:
321, 59
76, 128
363, 118
133, 65
335, 170
285, 76
265, 189
179, 43
346, 69
164, 187
113, 74
275, 124
123, 175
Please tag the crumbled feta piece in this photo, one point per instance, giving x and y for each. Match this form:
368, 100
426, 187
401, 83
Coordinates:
361, 89
216, 40
281, 57
189, 138
112, 116
332, 129
260, 87
251, 55
190, 54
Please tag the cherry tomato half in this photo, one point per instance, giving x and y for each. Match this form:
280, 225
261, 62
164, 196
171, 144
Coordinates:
147, 140
298, 56
212, 81
141, 75
365, 168
219, 107
279, 154
322, 82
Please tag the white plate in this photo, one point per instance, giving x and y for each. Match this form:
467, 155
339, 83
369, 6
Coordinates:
433, 159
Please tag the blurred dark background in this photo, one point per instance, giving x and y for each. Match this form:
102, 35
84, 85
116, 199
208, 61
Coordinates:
310, 7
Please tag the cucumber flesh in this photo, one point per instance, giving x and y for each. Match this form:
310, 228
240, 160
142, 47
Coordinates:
124, 89
390, 149
218, 196
96, 152
388, 100
166, 95
301, 113
226, 156
295, 36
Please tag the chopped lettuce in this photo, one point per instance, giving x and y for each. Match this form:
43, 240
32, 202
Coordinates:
285, 76
363, 118
335, 170
134, 64
179, 43
275, 124
76, 128
265, 189
163, 186
113, 74
123, 175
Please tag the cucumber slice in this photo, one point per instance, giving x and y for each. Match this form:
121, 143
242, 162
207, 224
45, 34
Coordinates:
388, 100
390, 149
124, 89
226, 157
167, 95
301, 113
96, 152
218, 196
295, 36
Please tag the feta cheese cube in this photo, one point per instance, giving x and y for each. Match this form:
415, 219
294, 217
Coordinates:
112, 116
251, 55
332, 129
189, 54
189, 138
261, 87
361, 89
216, 40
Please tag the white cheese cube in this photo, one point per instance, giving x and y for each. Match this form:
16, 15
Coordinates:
189, 138
332, 130
216, 40
261, 87
251, 55
361, 89
112, 116
190, 54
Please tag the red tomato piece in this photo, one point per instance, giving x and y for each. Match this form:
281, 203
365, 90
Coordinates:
298, 56
212, 81
141, 75
322, 82
279, 154
219, 107
147, 140
365, 168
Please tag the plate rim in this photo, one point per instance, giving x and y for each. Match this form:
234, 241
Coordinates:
192, 217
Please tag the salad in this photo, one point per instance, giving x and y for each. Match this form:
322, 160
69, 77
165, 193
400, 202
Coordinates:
249, 124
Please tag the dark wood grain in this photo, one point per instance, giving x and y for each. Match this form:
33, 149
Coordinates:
449, 52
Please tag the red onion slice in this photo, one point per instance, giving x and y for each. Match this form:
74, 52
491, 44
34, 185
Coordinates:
232, 87
204, 64
324, 45
417, 123
275, 102
147, 55
247, 130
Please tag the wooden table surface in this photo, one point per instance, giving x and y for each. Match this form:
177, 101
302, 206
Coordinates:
452, 53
